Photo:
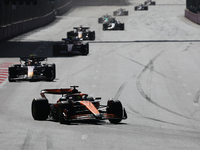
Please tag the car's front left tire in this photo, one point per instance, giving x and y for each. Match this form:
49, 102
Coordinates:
40, 109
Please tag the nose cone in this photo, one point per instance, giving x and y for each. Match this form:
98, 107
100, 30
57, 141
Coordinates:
98, 116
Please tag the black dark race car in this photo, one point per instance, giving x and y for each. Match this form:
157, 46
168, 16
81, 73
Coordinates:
83, 33
105, 18
30, 68
71, 47
76, 106
120, 12
141, 7
113, 25
149, 2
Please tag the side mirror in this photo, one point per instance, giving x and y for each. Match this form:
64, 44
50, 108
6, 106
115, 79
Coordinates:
97, 98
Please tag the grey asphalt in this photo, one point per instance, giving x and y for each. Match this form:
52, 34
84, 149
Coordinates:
155, 62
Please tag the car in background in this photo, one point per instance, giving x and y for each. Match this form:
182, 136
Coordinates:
120, 12
141, 7
113, 25
31, 68
149, 2
71, 46
105, 18
83, 33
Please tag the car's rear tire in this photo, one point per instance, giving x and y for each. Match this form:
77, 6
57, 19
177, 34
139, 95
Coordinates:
100, 20
85, 49
136, 8
50, 72
115, 107
40, 109
70, 34
105, 26
56, 50
92, 35
114, 13
122, 26
12, 73
54, 70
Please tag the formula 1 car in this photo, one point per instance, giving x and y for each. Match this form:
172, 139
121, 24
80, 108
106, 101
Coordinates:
83, 33
71, 46
120, 12
75, 106
141, 7
149, 2
30, 68
113, 25
105, 18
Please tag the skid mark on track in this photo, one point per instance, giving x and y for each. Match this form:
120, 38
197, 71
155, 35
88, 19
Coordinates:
121, 88
196, 98
146, 96
149, 79
82, 69
146, 67
27, 141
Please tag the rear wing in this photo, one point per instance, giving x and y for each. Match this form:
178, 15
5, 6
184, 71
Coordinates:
55, 91
36, 58
72, 89
84, 28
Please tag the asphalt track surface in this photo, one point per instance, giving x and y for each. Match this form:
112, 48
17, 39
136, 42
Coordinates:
153, 67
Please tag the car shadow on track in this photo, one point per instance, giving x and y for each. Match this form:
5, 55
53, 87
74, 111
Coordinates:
88, 122
9, 49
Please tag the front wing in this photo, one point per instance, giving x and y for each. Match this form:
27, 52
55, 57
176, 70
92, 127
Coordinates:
101, 116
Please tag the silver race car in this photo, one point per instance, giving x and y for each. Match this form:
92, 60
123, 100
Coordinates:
113, 25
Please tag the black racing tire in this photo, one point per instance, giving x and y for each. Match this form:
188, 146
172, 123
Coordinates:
115, 107
126, 13
50, 72
54, 70
40, 109
153, 3
85, 49
92, 35
105, 26
68, 106
56, 50
100, 20
146, 8
70, 34
61, 116
122, 26
136, 8
12, 73
114, 13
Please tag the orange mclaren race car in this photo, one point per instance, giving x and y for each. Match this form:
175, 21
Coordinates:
76, 106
